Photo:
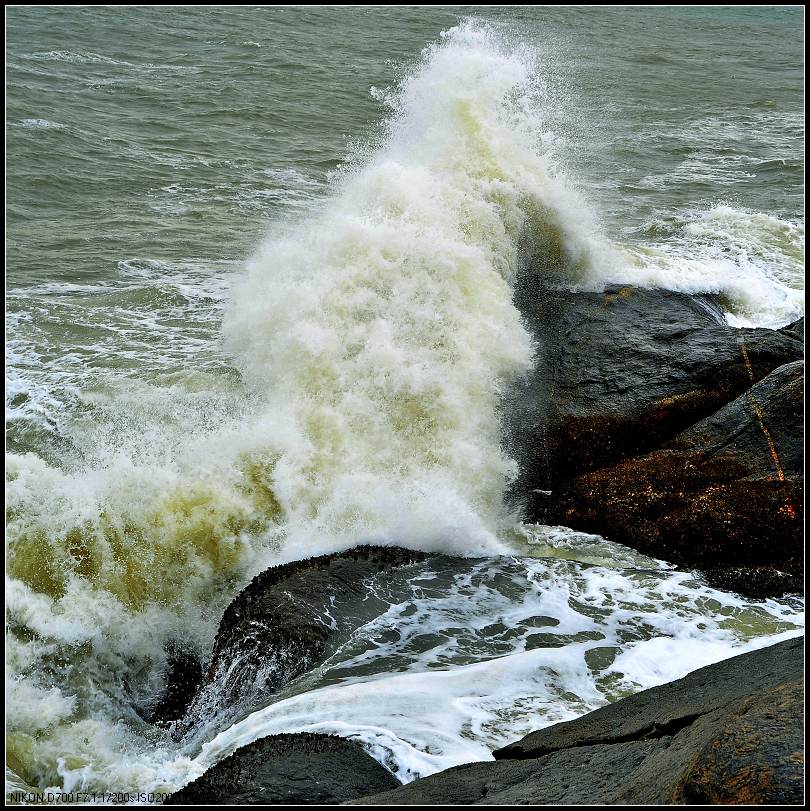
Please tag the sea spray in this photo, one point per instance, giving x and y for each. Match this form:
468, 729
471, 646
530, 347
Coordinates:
373, 344
753, 261
383, 331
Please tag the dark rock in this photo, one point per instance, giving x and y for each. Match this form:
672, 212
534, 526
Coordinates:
727, 492
754, 581
727, 733
584, 776
621, 372
794, 330
757, 757
673, 706
762, 430
297, 769
184, 677
640, 423
285, 622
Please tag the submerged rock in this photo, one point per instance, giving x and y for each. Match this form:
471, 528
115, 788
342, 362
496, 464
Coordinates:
727, 733
298, 769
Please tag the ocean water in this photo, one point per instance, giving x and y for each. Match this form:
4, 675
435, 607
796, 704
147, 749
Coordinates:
259, 267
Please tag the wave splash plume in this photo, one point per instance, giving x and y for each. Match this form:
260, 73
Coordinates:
373, 343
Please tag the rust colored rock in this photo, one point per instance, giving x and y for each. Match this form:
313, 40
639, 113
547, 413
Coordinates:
755, 758
726, 493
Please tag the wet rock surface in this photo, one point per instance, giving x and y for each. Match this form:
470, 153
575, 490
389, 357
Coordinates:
620, 372
794, 330
650, 421
758, 582
729, 490
727, 733
296, 769
184, 677
673, 706
285, 622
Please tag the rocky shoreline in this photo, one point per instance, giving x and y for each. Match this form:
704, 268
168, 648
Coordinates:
278, 627
650, 422
729, 733
646, 420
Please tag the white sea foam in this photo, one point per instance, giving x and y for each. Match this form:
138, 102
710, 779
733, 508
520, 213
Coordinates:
373, 343
755, 261
39, 123
510, 646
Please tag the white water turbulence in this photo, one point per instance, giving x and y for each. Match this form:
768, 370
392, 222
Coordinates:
373, 341
482, 654
382, 333
753, 261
